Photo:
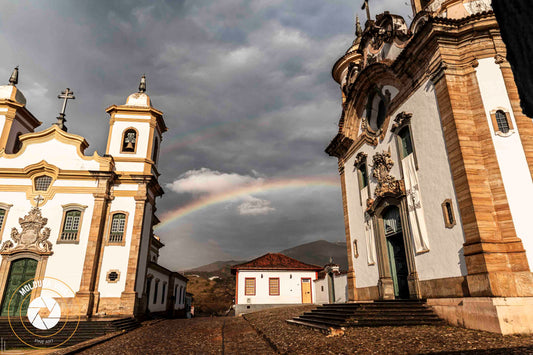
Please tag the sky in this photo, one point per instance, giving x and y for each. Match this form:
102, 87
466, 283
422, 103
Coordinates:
246, 92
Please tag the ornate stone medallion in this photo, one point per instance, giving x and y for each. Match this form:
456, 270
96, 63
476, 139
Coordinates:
34, 237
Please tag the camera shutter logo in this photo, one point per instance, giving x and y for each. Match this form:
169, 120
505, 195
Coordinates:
44, 313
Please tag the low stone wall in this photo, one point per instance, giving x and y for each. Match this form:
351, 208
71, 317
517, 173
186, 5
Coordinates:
504, 315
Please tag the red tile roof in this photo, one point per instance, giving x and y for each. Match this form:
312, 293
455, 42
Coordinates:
275, 261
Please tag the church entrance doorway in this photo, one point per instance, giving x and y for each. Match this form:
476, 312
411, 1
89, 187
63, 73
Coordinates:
21, 271
396, 252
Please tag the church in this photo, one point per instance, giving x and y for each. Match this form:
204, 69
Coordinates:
82, 221
436, 160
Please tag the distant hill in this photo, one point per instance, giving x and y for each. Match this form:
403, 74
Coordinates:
319, 252
214, 267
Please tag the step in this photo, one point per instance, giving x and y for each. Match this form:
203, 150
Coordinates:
308, 324
327, 316
321, 321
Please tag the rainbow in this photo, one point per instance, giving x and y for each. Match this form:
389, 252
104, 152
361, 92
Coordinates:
281, 184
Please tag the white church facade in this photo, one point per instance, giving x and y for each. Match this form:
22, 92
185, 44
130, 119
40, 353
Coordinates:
83, 220
436, 161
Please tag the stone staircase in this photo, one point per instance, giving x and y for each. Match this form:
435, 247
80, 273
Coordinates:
369, 314
69, 334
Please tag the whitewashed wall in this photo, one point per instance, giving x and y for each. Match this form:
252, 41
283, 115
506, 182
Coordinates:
322, 289
158, 306
290, 288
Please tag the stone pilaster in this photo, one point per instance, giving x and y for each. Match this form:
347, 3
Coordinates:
495, 258
352, 290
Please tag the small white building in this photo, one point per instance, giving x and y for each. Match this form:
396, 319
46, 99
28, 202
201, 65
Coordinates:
273, 280
331, 285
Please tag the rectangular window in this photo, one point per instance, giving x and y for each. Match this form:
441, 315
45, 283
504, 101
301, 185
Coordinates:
2, 217
156, 288
163, 293
118, 224
249, 286
273, 286
71, 226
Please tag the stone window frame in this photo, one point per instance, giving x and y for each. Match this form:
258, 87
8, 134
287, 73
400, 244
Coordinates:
67, 208
360, 162
446, 213
403, 120
494, 121
38, 178
108, 228
6, 207
355, 249
122, 151
108, 278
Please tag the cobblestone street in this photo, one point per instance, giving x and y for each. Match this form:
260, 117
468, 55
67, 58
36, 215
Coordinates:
267, 332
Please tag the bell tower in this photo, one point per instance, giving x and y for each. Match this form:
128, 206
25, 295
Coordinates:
135, 133
15, 119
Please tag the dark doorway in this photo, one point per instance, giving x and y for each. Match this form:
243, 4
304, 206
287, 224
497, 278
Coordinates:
396, 252
20, 272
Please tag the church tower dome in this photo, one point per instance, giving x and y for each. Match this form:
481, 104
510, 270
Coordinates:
140, 98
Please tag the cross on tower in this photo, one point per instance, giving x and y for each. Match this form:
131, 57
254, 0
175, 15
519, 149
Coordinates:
65, 95
38, 199
365, 7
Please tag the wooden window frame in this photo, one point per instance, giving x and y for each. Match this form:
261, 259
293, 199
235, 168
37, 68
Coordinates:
403, 120
5, 207
447, 222
122, 151
67, 208
109, 225
361, 161
245, 288
495, 122
270, 293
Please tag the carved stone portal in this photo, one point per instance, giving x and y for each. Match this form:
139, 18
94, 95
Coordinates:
387, 184
31, 238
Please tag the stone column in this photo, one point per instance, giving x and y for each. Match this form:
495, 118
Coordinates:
88, 295
352, 290
128, 297
495, 258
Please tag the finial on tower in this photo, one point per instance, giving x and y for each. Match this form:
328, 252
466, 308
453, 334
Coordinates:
365, 7
358, 29
142, 85
65, 95
14, 79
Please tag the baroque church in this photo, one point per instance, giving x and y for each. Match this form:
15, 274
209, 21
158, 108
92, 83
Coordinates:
85, 221
436, 161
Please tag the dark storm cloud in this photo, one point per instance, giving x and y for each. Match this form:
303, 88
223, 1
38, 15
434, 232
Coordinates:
245, 87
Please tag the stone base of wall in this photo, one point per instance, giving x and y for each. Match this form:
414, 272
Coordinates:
249, 308
504, 315
367, 293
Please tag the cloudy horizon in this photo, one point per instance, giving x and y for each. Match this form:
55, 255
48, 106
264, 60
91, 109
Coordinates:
247, 94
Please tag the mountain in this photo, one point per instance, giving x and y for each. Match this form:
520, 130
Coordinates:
214, 267
319, 252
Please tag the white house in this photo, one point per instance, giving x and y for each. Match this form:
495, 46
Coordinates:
84, 222
273, 280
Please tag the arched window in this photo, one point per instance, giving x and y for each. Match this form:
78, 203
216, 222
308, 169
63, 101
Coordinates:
382, 111
447, 212
376, 110
42, 182
118, 223
129, 140
156, 288
501, 120
163, 292
71, 226
406, 145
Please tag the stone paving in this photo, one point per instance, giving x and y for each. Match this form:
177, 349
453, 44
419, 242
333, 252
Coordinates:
266, 332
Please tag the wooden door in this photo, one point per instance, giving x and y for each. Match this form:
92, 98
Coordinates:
306, 291
21, 271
